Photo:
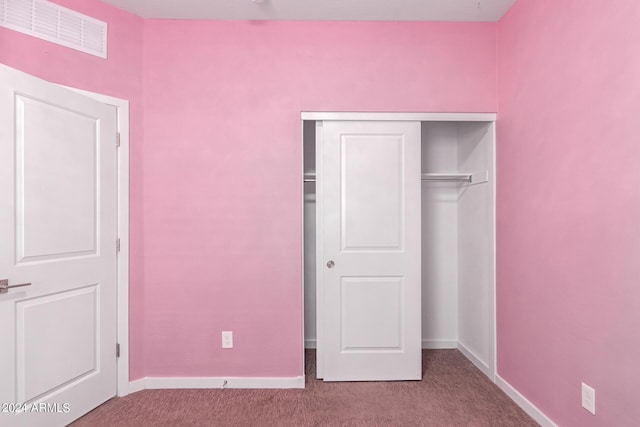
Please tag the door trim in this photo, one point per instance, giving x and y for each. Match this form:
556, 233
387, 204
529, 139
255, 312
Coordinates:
418, 117
122, 108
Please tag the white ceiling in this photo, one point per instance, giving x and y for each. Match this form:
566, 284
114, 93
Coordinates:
356, 10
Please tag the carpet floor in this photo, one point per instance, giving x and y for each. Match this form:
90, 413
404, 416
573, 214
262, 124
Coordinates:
453, 392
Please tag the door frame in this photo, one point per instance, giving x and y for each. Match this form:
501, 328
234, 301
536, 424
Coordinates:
395, 116
122, 315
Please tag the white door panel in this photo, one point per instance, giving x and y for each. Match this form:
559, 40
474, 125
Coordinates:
368, 183
371, 186
61, 326
379, 323
53, 161
58, 221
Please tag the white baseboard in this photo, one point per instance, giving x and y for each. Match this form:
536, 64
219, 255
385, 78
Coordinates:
439, 344
476, 361
522, 402
136, 385
223, 382
310, 343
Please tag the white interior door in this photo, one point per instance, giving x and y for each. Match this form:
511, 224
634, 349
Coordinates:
368, 198
58, 218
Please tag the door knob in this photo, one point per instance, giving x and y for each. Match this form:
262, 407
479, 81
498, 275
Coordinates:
4, 286
331, 264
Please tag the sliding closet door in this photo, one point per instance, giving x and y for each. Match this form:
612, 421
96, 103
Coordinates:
368, 192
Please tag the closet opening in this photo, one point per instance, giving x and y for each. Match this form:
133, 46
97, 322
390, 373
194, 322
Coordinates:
457, 221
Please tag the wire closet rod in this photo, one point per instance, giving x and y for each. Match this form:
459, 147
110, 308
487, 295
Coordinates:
438, 177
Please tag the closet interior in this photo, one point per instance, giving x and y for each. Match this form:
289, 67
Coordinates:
458, 236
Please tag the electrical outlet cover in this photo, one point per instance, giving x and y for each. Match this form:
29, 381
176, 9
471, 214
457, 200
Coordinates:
227, 339
588, 398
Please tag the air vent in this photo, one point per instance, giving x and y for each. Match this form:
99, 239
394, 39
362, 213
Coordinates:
54, 23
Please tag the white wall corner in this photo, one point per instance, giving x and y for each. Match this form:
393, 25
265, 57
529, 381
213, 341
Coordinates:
524, 403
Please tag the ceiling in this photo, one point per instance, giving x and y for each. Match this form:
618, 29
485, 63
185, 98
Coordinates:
342, 10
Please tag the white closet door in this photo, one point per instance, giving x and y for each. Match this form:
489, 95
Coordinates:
369, 251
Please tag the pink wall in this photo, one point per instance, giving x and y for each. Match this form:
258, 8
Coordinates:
222, 201
118, 76
215, 212
569, 207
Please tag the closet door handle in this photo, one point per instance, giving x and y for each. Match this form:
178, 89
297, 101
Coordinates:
331, 264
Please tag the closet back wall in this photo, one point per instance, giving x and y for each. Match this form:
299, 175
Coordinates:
223, 183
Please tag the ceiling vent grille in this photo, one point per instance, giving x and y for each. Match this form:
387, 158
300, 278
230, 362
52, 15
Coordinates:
54, 23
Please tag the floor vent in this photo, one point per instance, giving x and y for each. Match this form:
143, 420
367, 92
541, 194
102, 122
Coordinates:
54, 23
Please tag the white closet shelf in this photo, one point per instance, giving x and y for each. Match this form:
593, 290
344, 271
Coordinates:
469, 178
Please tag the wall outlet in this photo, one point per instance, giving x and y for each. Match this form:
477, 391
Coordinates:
227, 339
588, 398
